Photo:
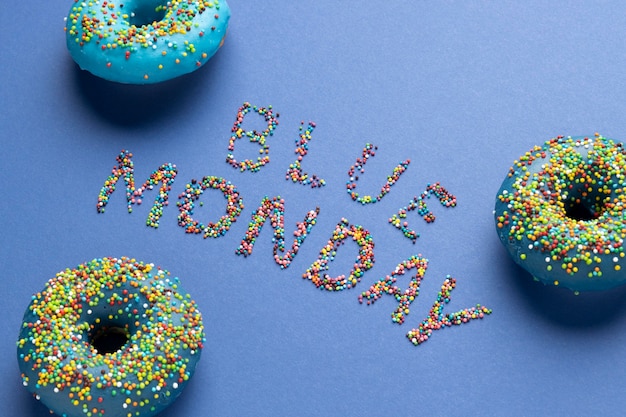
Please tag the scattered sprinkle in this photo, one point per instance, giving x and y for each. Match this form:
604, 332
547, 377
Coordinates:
387, 286
359, 167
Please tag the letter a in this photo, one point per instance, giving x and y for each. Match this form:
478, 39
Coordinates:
386, 286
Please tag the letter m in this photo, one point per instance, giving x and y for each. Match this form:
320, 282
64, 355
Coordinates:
164, 175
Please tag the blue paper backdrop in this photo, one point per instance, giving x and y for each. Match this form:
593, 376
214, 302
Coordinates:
462, 88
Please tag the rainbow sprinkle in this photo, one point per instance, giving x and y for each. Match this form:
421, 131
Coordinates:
387, 286
177, 18
437, 320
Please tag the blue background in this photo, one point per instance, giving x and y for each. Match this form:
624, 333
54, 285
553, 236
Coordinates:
460, 88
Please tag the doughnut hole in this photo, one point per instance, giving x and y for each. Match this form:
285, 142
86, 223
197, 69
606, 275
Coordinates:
108, 337
147, 13
579, 211
584, 200
113, 318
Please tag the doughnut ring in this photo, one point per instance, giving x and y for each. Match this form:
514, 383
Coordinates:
561, 212
145, 41
111, 338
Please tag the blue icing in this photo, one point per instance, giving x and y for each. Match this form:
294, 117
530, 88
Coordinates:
142, 41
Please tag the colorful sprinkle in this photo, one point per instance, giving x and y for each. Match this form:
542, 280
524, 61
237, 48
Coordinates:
141, 43
177, 17
560, 212
387, 286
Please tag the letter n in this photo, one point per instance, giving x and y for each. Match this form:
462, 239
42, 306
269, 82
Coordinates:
274, 209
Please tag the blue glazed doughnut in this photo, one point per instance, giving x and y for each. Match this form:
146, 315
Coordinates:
560, 212
110, 338
145, 41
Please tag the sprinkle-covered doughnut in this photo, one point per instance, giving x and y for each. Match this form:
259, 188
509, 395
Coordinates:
112, 338
145, 41
560, 212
